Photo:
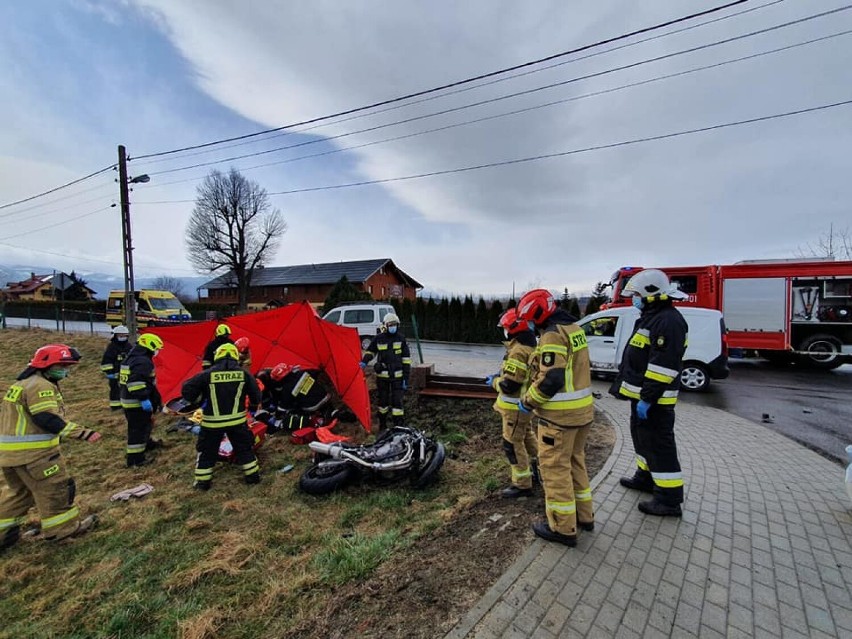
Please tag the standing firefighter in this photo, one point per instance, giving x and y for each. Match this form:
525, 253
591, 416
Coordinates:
222, 390
117, 349
519, 439
560, 394
223, 336
650, 377
32, 421
140, 398
393, 369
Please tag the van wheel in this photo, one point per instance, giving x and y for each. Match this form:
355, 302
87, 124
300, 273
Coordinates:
822, 351
365, 343
694, 377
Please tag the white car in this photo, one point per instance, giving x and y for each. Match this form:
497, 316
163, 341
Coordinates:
366, 318
607, 333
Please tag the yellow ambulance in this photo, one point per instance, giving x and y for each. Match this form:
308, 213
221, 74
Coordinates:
153, 308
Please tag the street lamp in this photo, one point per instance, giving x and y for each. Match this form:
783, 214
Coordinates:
129, 297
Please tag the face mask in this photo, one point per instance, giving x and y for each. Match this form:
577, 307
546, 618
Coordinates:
57, 373
156, 352
637, 302
121, 338
506, 333
392, 329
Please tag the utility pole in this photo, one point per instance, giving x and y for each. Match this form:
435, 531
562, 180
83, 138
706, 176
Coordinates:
129, 298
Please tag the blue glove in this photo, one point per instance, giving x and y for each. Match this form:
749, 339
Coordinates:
490, 380
363, 365
642, 409
146, 405
111, 376
404, 385
526, 410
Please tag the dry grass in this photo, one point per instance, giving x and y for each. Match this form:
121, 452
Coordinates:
239, 561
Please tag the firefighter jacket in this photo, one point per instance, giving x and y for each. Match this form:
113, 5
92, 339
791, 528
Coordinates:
514, 376
300, 391
210, 349
560, 390
650, 366
32, 420
223, 389
113, 356
137, 380
393, 359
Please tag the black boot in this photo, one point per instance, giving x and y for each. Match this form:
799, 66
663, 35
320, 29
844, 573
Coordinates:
654, 507
541, 529
638, 482
202, 485
588, 526
254, 478
512, 492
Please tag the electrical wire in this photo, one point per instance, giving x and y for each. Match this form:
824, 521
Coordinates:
518, 111
58, 188
54, 225
453, 84
9, 214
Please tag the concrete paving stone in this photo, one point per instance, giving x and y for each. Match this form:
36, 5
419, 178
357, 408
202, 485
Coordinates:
778, 538
706, 632
582, 575
762, 558
842, 616
628, 574
718, 574
759, 542
678, 558
837, 596
792, 617
661, 616
813, 596
783, 558
614, 558
760, 633
657, 557
521, 626
558, 577
595, 593
581, 618
759, 528
700, 557
720, 557
819, 618
816, 634
674, 574
733, 632
687, 618
654, 633
619, 594
555, 618
693, 594
485, 632
717, 594
644, 596
667, 593
704, 528
714, 617
608, 619
543, 633
741, 617
683, 542
624, 632
764, 594
767, 618
635, 616
809, 576
546, 593
792, 633
651, 574
763, 575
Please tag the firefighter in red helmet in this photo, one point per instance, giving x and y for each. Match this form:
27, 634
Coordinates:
560, 396
244, 349
32, 422
519, 439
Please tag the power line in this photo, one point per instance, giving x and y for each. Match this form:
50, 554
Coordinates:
60, 199
518, 111
453, 84
653, 138
516, 94
58, 188
478, 86
55, 224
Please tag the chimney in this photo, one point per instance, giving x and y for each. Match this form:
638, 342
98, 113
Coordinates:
32, 275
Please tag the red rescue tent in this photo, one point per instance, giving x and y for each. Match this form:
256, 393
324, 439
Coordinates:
294, 334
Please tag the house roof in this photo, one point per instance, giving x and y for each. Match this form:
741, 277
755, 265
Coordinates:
313, 274
33, 283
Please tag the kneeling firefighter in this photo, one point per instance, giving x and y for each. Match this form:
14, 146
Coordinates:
222, 390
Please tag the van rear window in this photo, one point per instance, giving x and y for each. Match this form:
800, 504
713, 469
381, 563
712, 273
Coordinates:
358, 316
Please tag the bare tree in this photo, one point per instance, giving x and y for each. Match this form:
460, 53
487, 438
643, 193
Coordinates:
234, 227
836, 243
169, 283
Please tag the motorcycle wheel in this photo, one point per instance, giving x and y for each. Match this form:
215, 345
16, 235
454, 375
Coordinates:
319, 479
428, 470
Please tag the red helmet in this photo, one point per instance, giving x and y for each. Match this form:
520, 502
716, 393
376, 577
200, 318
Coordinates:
242, 345
280, 371
47, 356
510, 323
536, 306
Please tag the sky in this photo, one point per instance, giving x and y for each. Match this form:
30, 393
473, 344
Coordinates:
80, 77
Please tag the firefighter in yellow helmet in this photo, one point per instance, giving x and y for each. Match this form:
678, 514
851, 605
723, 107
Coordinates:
560, 394
32, 422
223, 336
519, 439
140, 398
222, 390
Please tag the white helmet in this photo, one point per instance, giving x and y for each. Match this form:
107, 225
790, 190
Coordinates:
391, 318
652, 284
121, 329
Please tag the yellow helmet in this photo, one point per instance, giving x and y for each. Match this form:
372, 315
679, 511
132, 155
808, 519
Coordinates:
150, 341
226, 350
223, 329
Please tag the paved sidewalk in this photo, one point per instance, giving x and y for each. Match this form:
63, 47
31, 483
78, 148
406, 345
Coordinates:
764, 548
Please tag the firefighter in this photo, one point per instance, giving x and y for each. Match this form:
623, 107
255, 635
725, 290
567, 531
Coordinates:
392, 368
223, 336
519, 439
560, 396
649, 376
296, 394
32, 422
244, 349
114, 354
140, 398
222, 390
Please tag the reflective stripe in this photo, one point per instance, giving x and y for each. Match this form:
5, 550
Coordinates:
223, 421
203, 474
554, 348
382, 347
40, 407
397, 412
629, 390
383, 374
520, 474
641, 338
251, 468
136, 386
106, 367
668, 480
669, 398
562, 507
11, 523
134, 449
130, 403
567, 401
406, 360
662, 370
508, 403
62, 518
28, 442
383, 410
641, 462
69, 426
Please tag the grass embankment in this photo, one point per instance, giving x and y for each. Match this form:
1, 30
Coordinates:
239, 561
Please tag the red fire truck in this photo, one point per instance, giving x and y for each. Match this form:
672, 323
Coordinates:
785, 310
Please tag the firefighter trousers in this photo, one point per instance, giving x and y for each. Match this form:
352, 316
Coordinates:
139, 424
654, 442
562, 464
114, 394
45, 484
389, 394
519, 444
241, 439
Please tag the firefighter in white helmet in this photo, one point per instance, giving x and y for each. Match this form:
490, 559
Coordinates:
392, 368
117, 349
649, 376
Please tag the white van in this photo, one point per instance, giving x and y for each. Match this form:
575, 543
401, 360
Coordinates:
706, 358
366, 318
